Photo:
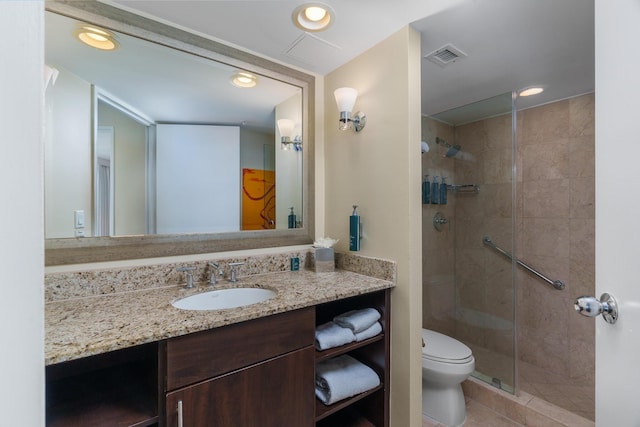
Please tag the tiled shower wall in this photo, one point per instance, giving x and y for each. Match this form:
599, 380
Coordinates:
438, 266
555, 232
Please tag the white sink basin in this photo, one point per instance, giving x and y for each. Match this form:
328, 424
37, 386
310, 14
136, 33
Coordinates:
224, 298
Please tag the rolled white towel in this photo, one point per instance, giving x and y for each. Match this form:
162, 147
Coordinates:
371, 331
329, 335
343, 377
358, 320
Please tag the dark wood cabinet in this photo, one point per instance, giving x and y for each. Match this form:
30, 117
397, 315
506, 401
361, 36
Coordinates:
275, 393
254, 373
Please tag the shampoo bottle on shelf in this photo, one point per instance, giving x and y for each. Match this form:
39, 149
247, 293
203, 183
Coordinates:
435, 191
443, 192
426, 190
354, 230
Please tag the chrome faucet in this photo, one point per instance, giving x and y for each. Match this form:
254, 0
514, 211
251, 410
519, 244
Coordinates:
233, 272
215, 268
188, 272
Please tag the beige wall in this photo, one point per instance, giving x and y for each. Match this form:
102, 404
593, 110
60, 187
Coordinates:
378, 169
288, 165
68, 129
130, 170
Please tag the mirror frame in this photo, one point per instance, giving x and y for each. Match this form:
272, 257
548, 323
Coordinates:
99, 249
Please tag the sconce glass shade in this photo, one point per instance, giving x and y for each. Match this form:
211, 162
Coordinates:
345, 98
285, 128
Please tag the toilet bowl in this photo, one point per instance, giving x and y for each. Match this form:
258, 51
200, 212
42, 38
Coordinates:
446, 363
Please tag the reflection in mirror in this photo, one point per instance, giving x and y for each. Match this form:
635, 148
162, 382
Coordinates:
146, 139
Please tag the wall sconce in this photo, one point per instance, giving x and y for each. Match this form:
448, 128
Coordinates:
346, 99
287, 139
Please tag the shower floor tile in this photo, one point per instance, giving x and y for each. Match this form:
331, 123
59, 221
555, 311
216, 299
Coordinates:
478, 415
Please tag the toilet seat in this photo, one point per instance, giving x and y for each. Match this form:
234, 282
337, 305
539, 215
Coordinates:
444, 349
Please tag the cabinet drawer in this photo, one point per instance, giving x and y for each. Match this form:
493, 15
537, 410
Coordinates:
276, 393
203, 355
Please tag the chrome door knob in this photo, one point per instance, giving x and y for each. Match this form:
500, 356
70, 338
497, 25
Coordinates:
591, 307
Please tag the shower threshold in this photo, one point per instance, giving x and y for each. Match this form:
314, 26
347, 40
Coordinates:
493, 381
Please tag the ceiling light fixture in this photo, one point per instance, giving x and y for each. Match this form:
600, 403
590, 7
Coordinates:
313, 17
244, 79
97, 38
534, 90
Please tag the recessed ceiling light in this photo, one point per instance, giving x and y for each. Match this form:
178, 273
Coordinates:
244, 79
531, 91
313, 17
97, 38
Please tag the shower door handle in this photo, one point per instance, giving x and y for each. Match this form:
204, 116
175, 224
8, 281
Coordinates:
591, 307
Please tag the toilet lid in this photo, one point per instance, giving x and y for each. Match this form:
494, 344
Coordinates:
444, 348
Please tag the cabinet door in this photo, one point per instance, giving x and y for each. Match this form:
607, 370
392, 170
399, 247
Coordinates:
275, 393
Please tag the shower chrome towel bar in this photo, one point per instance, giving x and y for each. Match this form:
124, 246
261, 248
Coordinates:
556, 284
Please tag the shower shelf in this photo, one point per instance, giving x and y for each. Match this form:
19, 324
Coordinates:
464, 188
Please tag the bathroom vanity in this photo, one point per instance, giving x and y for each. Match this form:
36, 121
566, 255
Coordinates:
132, 359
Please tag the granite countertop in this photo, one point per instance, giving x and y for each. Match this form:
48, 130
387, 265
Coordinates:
85, 326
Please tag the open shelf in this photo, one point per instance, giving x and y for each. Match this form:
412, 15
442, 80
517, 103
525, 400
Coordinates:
346, 418
104, 398
323, 411
119, 388
371, 408
336, 351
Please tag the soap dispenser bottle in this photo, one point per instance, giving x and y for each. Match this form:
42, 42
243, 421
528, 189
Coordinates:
354, 230
443, 192
292, 219
426, 190
435, 191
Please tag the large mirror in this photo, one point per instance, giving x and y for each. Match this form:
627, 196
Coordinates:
155, 148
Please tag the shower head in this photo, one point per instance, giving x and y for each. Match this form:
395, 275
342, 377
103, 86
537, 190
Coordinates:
452, 149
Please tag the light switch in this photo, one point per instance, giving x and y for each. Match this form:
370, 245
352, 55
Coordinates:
79, 218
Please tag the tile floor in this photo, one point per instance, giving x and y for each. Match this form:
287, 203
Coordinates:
490, 407
576, 395
478, 415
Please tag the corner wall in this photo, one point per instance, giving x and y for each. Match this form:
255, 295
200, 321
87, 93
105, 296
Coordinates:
22, 216
378, 169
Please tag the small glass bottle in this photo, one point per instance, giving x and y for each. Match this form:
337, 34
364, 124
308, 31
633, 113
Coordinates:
435, 191
426, 190
443, 192
291, 219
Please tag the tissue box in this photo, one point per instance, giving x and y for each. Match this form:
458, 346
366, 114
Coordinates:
325, 260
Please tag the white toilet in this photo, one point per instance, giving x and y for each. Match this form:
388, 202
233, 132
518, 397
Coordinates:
446, 363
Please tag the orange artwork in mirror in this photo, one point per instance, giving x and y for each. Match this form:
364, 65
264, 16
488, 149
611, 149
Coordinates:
258, 199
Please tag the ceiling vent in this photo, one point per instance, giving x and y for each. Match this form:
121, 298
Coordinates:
445, 55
